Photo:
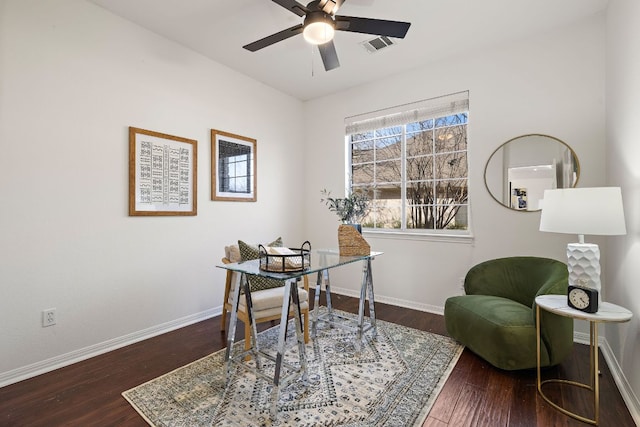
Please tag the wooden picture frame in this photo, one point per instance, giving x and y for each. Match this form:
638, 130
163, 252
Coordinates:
162, 174
233, 167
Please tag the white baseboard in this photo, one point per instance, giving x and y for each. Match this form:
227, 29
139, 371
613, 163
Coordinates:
48, 365
392, 301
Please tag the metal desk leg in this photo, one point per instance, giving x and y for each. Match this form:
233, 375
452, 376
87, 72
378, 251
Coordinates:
363, 297
299, 331
323, 277
252, 321
290, 292
372, 299
327, 292
316, 304
232, 326
365, 288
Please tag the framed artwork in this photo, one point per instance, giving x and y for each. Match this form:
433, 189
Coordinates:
233, 167
519, 199
162, 174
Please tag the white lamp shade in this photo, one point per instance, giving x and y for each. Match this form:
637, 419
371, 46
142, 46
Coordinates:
593, 211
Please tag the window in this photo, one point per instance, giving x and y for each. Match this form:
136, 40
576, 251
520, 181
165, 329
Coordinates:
412, 162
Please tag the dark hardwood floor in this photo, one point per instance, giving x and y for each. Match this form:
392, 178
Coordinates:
476, 394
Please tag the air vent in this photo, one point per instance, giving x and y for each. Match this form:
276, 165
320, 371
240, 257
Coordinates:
377, 44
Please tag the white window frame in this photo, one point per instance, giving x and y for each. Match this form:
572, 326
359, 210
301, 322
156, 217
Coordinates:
399, 116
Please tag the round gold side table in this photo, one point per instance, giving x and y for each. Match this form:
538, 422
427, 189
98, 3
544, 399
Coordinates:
607, 312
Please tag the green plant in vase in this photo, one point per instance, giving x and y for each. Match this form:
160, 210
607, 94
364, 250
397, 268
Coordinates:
351, 209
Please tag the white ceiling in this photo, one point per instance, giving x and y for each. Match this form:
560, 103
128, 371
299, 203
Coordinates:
439, 28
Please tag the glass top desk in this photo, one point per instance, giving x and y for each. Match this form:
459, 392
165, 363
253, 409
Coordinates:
321, 261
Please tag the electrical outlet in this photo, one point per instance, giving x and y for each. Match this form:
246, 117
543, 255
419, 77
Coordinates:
48, 317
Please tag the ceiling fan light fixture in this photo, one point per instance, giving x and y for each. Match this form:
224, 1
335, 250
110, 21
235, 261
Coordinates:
318, 29
330, 6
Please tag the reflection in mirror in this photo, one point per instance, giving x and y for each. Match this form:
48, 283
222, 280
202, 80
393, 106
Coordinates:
519, 171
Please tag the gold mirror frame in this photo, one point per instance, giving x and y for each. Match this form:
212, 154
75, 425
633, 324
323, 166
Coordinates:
519, 170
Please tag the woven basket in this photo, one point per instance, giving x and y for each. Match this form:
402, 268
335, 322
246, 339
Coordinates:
350, 242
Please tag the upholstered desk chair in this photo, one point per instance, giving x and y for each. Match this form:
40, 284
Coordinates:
496, 319
267, 303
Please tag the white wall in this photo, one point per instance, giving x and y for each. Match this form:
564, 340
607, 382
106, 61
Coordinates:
73, 78
551, 84
623, 158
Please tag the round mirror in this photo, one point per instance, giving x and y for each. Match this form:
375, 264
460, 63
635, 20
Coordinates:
519, 171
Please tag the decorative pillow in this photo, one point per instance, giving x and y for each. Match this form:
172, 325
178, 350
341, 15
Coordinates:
232, 253
248, 252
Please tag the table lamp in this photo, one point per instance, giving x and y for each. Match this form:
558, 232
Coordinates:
594, 211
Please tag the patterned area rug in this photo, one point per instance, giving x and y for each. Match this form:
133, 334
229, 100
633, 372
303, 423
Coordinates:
393, 381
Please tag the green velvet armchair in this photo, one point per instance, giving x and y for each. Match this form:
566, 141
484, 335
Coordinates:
496, 317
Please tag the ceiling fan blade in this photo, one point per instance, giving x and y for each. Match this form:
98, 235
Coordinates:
274, 38
293, 6
379, 27
329, 55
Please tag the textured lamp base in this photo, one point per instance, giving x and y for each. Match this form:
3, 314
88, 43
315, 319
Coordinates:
583, 261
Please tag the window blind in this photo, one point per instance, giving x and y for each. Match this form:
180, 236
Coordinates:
408, 113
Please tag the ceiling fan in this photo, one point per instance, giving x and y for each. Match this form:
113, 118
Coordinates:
321, 22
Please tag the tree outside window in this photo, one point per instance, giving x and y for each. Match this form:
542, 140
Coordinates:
415, 173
